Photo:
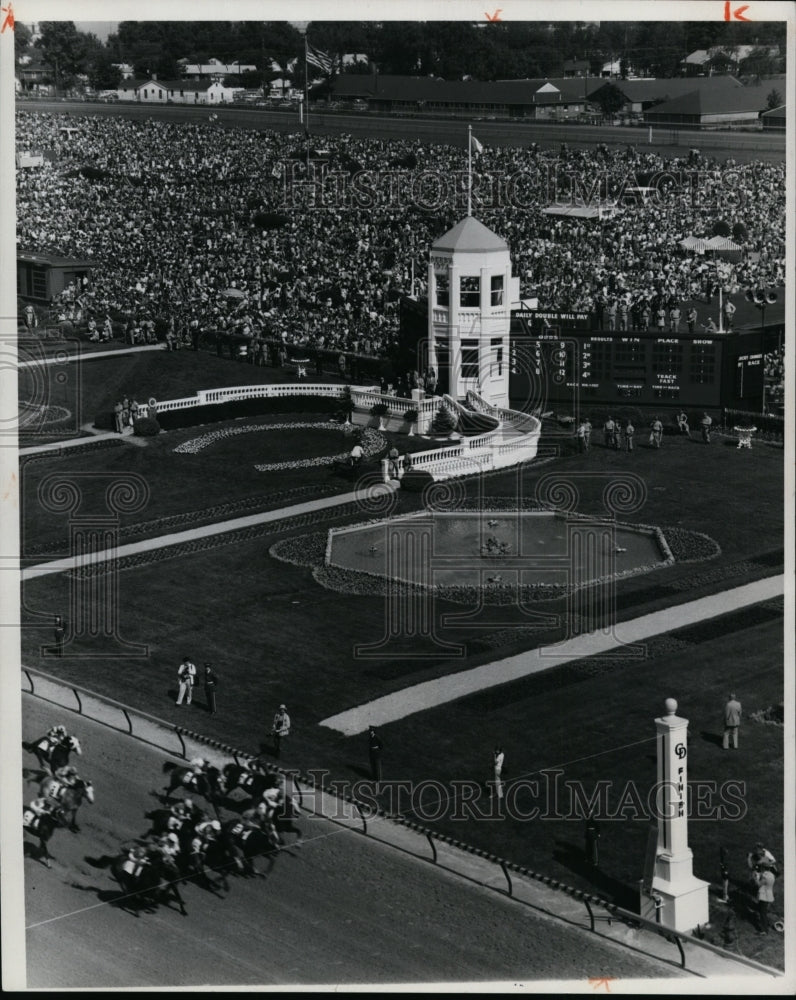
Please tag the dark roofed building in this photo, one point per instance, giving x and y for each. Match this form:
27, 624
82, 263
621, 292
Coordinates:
539, 99
774, 118
708, 106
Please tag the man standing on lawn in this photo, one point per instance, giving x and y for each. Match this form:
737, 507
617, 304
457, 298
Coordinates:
732, 722
186, 675
280, 728
210, 682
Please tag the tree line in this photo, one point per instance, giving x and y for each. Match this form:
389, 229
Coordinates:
453, 50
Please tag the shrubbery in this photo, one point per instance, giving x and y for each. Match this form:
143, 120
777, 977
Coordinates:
416, 480
444, 421
146, 427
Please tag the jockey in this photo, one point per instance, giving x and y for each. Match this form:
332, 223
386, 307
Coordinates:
195, 813
55, 736
257, 817
197, 765
180, 814
169, 847
35, 811
208, 830
67, 775
135, 862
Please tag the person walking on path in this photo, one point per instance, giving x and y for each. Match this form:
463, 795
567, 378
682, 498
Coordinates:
706, 424
375, 747
211, 683
186, 675
587, 432
280, 728
59, 633
732, 722
118, 418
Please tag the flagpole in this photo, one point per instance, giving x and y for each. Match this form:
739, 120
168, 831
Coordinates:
306, 103
469, 169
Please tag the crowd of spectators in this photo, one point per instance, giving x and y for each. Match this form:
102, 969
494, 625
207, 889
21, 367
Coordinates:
173, 215
774, 372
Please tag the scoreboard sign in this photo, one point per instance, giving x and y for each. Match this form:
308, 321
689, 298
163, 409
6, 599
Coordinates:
538, 320
618, 367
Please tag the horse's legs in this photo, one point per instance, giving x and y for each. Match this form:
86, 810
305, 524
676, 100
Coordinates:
44, 854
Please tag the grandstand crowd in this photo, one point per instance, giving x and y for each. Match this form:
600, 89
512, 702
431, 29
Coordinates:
170, 213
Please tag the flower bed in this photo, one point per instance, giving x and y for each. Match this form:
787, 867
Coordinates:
197, 444
691, 546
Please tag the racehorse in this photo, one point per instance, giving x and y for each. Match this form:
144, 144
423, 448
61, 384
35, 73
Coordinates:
284, 817
67, 798
164, 821
244, 843
204, 783
42, 828
144, 883
253, 783
50, 754
198, 860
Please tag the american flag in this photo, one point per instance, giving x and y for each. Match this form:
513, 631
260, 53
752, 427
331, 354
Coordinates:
318, 58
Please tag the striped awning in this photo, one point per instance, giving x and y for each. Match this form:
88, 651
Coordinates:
695, 243
721, 243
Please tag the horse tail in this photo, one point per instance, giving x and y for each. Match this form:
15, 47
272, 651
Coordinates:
169, 766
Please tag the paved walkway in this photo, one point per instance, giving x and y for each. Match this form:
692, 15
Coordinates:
164, 541
58, 446
430, 694
59, 359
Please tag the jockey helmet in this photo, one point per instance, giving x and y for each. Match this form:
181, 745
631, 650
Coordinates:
40, 805
188, 803
215, 825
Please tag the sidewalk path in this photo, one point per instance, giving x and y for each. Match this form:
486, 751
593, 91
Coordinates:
58, 446
430, 694
164, 541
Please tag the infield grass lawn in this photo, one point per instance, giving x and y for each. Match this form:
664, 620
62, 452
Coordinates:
275, 635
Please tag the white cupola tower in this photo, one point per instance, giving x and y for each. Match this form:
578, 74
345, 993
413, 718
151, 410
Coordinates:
470, 291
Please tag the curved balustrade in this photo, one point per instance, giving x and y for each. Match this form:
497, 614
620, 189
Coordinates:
489, 450
483, 453
226, 395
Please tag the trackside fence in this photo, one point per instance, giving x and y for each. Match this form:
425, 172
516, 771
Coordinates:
507, 878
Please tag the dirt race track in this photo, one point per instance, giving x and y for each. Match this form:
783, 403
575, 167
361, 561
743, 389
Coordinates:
742, 146
340, 910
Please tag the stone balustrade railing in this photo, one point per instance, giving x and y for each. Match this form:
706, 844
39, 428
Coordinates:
226, 395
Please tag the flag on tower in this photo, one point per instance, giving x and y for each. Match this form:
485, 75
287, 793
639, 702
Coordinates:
475, 145
322, 60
